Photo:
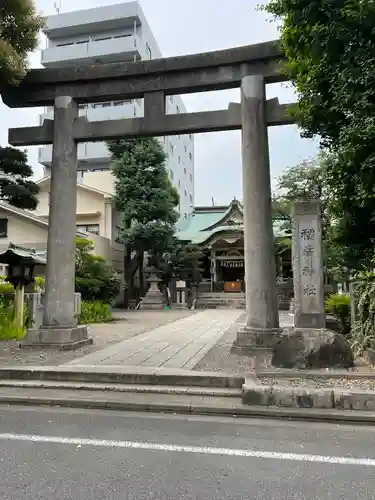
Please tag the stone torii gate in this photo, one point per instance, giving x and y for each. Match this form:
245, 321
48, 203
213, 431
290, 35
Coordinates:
250, 67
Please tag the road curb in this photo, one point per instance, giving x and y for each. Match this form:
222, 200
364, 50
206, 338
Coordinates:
313, 374
123, 375
334, 398
337, 416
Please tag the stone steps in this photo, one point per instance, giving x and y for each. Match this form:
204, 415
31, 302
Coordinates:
221, 300
125, 375
125, 388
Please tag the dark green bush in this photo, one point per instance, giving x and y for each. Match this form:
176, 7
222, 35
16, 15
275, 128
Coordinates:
339, 306
95, 279
9, 330
94, 311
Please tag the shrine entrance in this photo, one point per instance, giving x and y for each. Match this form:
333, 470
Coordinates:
249, 68
233, 274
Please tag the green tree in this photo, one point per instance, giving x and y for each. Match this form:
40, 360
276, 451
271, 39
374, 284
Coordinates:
19, 27
94, 278
146, 200
303, 182
331, 63
182, 260
16, 186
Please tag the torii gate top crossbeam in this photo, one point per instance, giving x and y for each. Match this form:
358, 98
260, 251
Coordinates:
217, 70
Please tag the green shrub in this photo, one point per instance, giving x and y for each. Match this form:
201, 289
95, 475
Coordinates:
339, 306
95, 280
8, 329
94, 312
39, 283
6, 293
363, 330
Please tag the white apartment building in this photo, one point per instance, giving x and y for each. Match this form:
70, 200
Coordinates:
114, 33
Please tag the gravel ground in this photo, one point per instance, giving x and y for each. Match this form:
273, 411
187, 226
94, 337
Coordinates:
126, 324
222, 358
316, 383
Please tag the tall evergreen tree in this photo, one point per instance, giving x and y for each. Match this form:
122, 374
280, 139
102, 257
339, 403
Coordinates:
19, 27
146, 199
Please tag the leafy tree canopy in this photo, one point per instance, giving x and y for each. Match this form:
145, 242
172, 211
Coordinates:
19, 27
331, 62
146, 199
16, 186
302, 182
95, 279
180, 259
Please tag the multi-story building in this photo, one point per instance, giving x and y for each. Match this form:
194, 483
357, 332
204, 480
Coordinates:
115, 33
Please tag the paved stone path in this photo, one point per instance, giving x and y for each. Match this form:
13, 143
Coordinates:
180, 344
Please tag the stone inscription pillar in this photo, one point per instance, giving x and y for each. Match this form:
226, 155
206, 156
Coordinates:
262, 316
308, 265
59, 322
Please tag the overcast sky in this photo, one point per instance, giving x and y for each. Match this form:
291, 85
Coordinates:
186, 27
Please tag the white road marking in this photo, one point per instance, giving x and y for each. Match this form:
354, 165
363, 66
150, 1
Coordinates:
273, 455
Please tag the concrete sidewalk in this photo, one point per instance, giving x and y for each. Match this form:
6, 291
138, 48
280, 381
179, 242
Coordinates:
180, 344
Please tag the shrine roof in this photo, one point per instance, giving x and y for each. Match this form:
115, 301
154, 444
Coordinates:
14, 254
206, 222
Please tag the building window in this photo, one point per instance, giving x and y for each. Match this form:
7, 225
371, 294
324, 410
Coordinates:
88, 228
191, 137
179, 183
191, 177
185, 192
148, 51
191, 198
3, 228
121, 103
190, 156
171, 98
179, 159
185, 149
185, 170
171, 148
171, 174
178, 110
185, 216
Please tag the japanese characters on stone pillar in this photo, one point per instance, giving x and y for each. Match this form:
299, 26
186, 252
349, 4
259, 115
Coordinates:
308, 265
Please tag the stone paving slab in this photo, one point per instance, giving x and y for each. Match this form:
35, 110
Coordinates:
180, 344
126, 325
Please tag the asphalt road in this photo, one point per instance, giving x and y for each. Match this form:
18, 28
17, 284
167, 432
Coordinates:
63, 454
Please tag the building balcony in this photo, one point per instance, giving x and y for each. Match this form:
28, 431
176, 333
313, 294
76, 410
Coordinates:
94, 152
116, 49
105, 111
88, 153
